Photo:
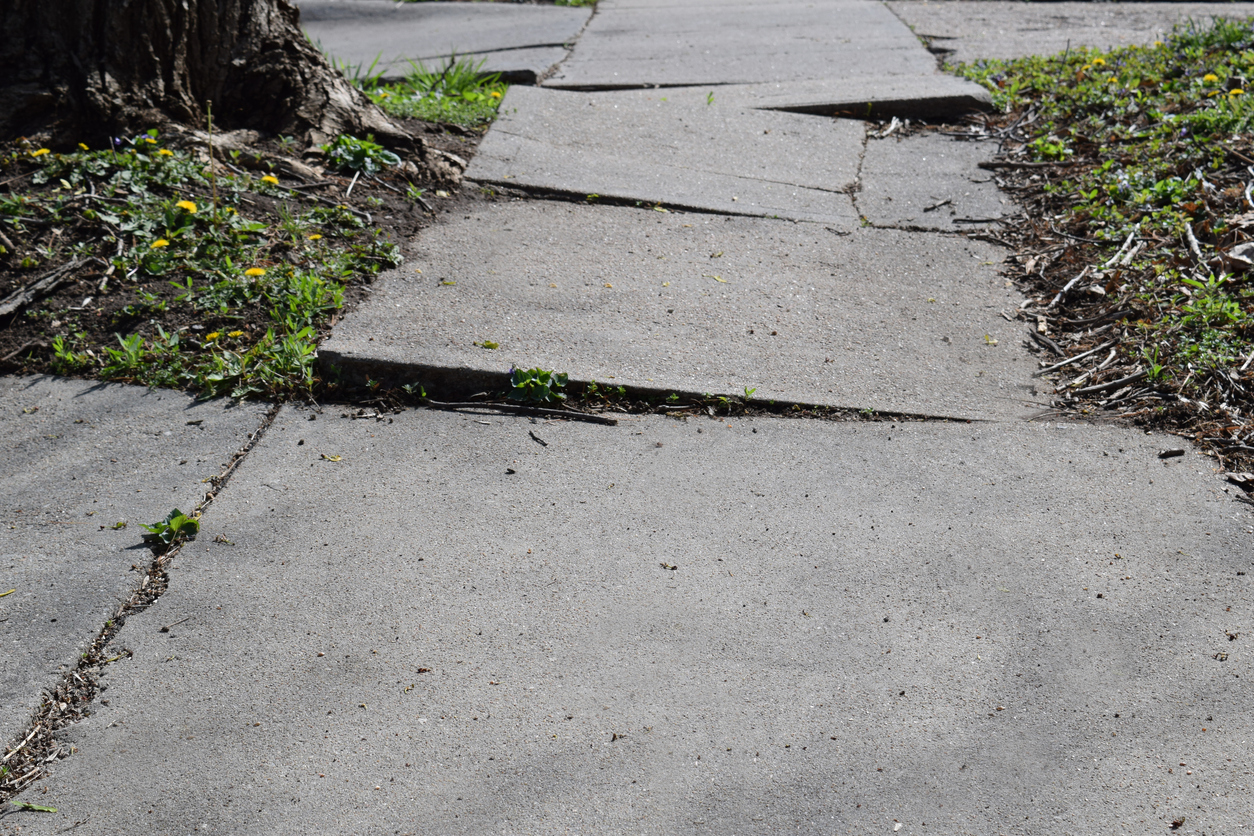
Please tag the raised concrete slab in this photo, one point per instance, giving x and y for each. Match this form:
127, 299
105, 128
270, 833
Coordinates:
930, 182
688, 302
78, 458
936, 96
521, 41
972, 29
642, 43
958, 629
679, 147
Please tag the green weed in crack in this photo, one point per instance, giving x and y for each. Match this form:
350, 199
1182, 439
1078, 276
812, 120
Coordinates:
538, 386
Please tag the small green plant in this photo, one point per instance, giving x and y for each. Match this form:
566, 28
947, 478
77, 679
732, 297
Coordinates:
348, 153
536, 385
176, 527
749, 393
459, 92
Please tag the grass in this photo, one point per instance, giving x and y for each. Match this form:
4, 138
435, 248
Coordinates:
458, 93
1134, 167
215, 284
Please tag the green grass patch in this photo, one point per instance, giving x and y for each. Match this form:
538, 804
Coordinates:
216, 283
1134, 168
457, 92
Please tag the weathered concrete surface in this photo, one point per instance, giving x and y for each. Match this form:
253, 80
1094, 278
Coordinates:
520, 40
79, 457
971, 29
678, 147
928, 181
641, 43
935, 96
961, 629
874, 319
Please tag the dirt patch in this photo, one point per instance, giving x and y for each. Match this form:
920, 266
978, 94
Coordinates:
92, 305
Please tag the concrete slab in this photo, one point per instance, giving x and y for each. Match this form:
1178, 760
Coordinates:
677, 147
968, 30
1005, 629
79, 457
928, 181
521, 41
641, 44
875, 319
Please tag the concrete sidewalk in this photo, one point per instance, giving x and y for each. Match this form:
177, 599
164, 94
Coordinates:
85, 464
463, 622
522, 42
687, 626
967, 30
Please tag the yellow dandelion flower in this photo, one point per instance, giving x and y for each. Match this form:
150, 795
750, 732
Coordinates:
159, 243
495, 94
187, 206
1236, 91
316, 237
1212, 94
150, 140
1158, 43
234, 334
272, 180
1099, 62
83, 146
211, 336
40, 152
166, 152
1086, 68
1210, 78
254, 271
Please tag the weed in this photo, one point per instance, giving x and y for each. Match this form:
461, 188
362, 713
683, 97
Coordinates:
348, 153
145, 213
176, 527
536, 385
458, 92
1149, 195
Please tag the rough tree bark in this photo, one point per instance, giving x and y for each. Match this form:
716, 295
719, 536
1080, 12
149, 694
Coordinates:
88, 69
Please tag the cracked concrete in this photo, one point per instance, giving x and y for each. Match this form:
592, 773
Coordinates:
463, 622
701, 303
967, 30
80, 458
523, 42
679, 147
930, 182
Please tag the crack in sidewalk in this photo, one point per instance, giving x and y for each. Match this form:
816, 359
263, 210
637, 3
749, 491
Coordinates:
69, 701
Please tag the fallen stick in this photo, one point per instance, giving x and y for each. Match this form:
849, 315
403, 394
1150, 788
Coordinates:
40, 287
523, 409
1071, 360
1067, 288
1114, 384
995, 164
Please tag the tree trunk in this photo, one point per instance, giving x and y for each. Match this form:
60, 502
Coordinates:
89, 69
